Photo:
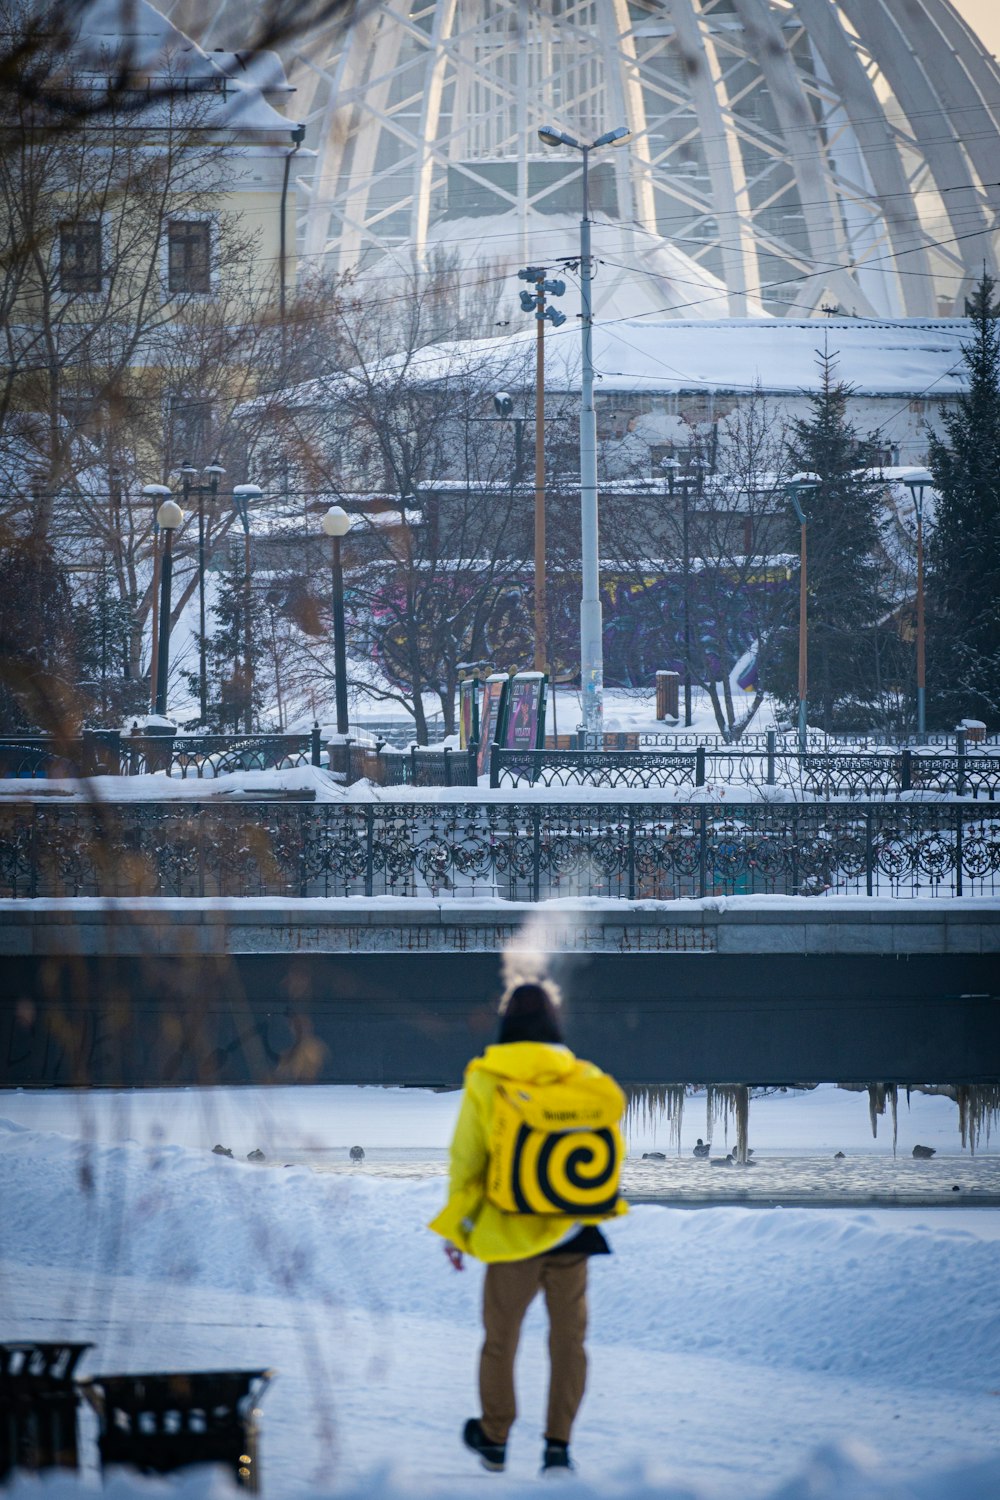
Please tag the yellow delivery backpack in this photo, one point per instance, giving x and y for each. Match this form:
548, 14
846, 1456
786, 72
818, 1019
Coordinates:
555, 1145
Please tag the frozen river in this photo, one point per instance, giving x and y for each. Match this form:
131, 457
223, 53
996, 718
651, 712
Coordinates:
800, 1179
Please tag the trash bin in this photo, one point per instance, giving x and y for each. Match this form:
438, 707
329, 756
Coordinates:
162, 1422
38, 1402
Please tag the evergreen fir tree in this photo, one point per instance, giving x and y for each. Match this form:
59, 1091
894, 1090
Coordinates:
103, 638
38, 668
844, 603
963, 586
225, 653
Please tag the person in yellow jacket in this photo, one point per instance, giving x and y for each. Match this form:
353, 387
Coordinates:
524, 1252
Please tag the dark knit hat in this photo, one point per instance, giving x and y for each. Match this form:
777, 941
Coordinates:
531, 1013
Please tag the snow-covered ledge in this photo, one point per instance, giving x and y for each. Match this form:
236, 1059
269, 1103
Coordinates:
728, 925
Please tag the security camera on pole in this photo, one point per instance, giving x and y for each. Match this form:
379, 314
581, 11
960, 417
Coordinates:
591, 645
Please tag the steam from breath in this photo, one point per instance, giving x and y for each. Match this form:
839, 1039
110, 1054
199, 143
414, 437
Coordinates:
527, 957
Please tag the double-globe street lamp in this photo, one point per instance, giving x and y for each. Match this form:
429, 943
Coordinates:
191, 486
336, 524
242, 495
917, 481
156, 494
798, 485
169, 517
591, 646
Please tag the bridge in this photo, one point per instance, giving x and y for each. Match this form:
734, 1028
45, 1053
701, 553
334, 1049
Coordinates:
136, 992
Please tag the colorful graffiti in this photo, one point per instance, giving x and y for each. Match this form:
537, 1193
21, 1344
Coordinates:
643, 626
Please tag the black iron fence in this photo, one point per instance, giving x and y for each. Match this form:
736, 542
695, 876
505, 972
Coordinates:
815, 775
106, 752
816, 739
526, 851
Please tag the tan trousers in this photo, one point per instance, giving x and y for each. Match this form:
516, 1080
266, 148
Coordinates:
508, 1291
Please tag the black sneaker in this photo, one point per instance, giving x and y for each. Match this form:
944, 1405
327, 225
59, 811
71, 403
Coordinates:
492, 1456
556, 1456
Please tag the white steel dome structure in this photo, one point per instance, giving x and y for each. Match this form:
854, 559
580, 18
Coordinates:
785, 155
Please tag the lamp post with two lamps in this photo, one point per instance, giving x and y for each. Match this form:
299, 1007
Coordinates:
917, 481
156, 493
336, 524
242, 495
168, 517
801, 484
188, 475
591, 646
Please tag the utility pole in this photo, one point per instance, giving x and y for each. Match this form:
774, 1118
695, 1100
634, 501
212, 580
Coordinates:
535, 303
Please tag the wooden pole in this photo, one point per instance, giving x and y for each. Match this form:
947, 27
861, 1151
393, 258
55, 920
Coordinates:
541, 623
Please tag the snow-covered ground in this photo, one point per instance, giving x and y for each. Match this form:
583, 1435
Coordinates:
728, 1345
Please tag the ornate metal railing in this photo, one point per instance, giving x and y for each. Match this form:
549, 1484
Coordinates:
517, 851
819, 775
108, 753
816, 740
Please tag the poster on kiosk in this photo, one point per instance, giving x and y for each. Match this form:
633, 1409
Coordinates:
491, 717
525, 724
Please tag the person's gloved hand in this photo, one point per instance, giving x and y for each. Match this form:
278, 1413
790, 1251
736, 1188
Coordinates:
455, 1255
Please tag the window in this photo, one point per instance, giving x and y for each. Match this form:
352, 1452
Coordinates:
189, 244
189, 435
80, 256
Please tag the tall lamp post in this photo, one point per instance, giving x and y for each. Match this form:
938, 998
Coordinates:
917, 481
156, 493
189, 475
168, 518
591, 646
801, 484
242, 495
336, 524
671, 465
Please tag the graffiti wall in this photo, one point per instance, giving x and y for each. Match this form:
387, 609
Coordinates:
643, 626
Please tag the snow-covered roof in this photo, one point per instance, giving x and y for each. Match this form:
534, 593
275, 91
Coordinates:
909, 358
904, 357
232, 86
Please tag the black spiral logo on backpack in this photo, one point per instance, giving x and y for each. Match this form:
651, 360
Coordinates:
572, 1172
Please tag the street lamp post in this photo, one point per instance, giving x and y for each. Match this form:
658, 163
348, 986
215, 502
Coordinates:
798, 485
591, 646
156, 493
917, 482
168, 518
671, 465
337, 523
188, 474
242, 495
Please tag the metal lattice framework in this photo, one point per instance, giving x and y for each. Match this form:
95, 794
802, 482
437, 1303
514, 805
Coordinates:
802, 151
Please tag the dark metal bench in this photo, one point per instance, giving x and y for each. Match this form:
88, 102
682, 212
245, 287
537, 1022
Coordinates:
38, 1402
162, 1422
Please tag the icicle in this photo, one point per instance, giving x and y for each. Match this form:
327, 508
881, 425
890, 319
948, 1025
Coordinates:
876, 1105
893, 1094
648, 1106
741, 1109
730, 1099
978, 1112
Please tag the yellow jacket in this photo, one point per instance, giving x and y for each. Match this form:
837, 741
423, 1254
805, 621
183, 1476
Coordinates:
469, 1220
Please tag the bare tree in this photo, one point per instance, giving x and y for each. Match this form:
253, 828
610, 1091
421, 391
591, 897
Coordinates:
708, 554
